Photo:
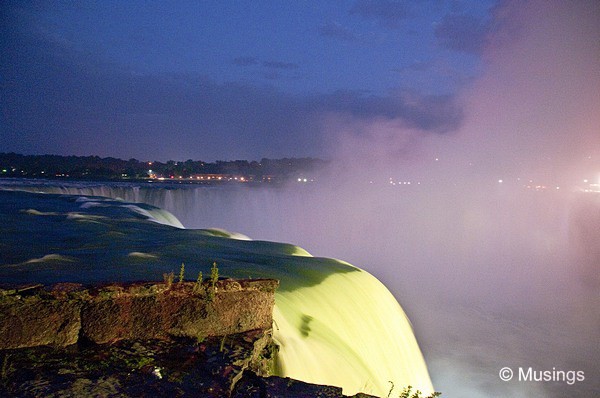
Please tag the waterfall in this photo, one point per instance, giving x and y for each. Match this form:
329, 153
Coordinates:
335, 324
491, 274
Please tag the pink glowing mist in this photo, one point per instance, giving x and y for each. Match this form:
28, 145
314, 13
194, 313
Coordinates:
495, 252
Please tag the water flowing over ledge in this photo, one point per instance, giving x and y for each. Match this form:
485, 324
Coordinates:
335, 324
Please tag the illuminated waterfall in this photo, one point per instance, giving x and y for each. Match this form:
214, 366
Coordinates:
348, 331
335, 324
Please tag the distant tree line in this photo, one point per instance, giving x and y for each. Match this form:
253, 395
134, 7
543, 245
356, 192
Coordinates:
95, 167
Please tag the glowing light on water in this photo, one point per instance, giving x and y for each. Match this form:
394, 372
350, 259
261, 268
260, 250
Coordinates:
348, 331
335, 324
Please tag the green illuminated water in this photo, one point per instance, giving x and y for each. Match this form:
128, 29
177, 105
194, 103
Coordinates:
335, 324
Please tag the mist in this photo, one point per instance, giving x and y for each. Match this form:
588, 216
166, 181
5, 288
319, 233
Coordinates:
494, 255
491, 274
484, 234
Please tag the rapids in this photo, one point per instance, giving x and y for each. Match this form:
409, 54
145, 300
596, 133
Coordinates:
335, 324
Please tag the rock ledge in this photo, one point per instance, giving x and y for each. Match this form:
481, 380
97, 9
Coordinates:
65, 313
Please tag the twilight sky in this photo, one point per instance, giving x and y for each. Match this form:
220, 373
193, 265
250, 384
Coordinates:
250, 79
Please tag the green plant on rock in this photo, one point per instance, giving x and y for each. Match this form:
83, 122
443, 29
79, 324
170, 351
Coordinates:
198, 284
407, 393
214, 277
214, 274
181, 272
138, 362
168, 278
7, 368
391, 388
222, 347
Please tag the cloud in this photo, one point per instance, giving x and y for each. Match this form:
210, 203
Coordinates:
58, 99
279, 65
388, 13
427, 113
245, 61
272, 69
337, 31
462, 32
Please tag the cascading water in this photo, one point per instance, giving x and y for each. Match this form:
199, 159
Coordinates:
259, 213
335, 324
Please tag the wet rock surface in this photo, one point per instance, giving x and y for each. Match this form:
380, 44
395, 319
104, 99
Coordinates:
251, 386
236, 366
32, 317
65, 313
137, 368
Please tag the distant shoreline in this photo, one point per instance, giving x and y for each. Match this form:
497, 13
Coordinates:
94, 168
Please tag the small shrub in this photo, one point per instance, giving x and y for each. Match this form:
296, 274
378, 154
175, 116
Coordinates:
214, 277
214, 274
222, 347
198, 285
168, 278
181, 272
407, 393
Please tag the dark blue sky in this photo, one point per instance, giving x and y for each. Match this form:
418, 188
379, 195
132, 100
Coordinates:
245, 79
